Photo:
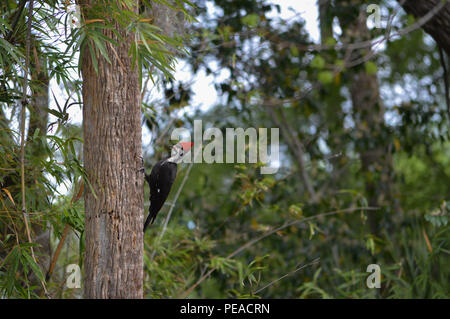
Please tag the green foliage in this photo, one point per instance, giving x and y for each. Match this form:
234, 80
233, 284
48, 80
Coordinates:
234, 232
150, 48
54, 175
439, 217
266, 62
11, 284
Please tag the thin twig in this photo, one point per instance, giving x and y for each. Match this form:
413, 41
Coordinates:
315, 261
270, 232
165, 131
144, 89
57, 251
16, 20
423, 20
301, 154
445, 75
166, 221
176, 198
340, 46
56, 255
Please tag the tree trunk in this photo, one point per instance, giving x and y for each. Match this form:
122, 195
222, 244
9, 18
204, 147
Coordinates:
39, 99
439, 26
325, 22
38, 121
112, 160
368, 115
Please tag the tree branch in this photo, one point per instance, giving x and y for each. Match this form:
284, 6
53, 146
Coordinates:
16, 20
436, 15
297, 148
270, 232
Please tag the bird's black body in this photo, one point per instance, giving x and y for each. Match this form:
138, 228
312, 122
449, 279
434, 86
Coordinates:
160, 180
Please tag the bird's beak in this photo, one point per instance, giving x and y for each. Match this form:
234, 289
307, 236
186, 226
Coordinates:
186, 146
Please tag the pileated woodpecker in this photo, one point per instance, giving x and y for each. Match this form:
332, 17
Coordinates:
161, 179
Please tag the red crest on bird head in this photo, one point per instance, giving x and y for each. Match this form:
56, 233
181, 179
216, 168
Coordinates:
186, 146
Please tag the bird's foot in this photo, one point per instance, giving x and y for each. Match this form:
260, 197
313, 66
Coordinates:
142, 169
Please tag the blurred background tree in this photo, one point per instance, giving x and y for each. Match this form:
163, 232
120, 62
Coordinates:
363, 174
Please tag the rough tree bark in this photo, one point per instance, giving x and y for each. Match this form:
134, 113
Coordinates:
112, 160
439, 26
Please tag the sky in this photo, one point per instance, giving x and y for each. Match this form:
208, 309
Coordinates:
205, 94
307, 10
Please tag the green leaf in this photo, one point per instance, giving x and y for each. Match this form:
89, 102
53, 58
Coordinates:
318, 62
294, 51
330, 41
296, 210
251, 20
28, 260
93, 56
325, 77
371, 67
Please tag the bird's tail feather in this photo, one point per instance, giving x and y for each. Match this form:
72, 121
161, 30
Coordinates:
149, 221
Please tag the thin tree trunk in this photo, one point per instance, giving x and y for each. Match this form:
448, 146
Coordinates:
296, 147
38, 121
325, 22
332, 112
368, 115
114, 216
39, 100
